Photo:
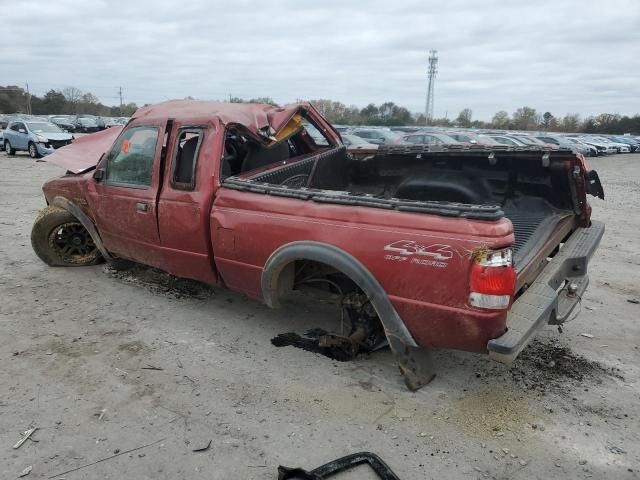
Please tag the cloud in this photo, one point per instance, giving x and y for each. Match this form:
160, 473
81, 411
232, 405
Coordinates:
558, 56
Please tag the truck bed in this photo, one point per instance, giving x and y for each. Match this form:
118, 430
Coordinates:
530, 187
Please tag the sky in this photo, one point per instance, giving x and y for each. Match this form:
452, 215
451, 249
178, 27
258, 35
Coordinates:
562, 56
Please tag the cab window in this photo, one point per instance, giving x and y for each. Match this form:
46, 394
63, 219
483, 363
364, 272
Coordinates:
130, 161
185, 157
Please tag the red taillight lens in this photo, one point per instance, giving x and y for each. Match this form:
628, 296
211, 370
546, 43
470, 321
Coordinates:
493, 280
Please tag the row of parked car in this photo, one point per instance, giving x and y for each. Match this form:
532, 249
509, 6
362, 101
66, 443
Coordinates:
369, 138
71, 123
41, 134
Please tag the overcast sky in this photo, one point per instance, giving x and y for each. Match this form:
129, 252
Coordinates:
560, 56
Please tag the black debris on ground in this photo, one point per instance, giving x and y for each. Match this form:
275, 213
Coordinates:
310, 343
159, 282
552, 366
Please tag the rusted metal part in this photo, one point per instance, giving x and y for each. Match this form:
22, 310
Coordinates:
328, 470
84, 219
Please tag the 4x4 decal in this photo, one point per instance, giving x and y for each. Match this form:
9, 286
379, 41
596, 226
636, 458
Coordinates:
408, 250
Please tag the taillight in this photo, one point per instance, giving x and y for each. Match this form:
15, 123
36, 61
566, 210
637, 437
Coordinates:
493, 279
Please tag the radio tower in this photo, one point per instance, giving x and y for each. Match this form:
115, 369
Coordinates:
433, 69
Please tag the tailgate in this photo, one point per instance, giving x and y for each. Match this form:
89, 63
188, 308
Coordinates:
551, 297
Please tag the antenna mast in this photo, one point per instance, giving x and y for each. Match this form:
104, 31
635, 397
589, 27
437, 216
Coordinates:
431, 73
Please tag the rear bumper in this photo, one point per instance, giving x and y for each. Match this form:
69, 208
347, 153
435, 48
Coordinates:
542, 304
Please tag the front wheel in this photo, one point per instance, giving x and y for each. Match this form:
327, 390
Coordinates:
33, 150
59, 239
7, 148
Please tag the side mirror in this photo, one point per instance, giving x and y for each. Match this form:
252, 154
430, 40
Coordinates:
98, 175
22, 130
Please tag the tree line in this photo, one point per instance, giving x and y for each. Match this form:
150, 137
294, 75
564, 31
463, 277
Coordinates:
73, 101
69, 101
525, 118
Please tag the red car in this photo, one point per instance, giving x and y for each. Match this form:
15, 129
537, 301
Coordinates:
425, 248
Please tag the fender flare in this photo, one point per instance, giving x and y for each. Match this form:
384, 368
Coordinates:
414, 361
83, 218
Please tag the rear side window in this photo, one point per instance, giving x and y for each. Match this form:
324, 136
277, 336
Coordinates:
185, 158
130, 161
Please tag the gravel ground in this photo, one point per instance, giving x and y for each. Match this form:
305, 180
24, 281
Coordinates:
104, 362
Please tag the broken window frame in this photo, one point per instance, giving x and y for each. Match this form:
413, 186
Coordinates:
188, 186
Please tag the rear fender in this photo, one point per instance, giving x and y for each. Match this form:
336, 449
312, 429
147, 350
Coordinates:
415, 362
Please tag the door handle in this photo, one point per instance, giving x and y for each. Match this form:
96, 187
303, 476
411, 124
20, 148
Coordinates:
142, 207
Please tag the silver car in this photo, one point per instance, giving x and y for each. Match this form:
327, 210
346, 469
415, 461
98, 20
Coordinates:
37, 137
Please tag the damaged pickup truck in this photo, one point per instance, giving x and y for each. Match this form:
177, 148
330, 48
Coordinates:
468, 248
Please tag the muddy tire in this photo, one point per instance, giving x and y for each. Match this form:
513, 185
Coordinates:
59, 239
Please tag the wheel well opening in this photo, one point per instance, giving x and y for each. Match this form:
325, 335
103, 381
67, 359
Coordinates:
331, 292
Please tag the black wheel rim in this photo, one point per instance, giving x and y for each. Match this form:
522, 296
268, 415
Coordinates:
72, 241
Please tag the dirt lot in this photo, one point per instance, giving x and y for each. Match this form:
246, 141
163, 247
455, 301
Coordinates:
103, 363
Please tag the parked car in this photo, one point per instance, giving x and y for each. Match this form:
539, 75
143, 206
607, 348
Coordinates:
266, 214
473, 139
533, 141
379, 136
634, 145
354, 142
566, 142
112, 122
3, 125
64, 122
506, 140
39, 138
620, 147
430, 139
86, 125
604, 148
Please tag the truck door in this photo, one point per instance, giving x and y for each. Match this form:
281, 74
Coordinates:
185, 202
123, 194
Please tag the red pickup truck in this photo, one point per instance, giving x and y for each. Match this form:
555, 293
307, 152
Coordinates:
468, 248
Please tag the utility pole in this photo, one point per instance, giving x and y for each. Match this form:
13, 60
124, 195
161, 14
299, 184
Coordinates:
120, 94
28, 100
431, 73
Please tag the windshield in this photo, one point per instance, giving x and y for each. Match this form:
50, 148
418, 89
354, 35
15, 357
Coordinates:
43, 128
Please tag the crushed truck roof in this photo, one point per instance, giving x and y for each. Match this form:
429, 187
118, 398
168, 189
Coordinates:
255, 117
262, 120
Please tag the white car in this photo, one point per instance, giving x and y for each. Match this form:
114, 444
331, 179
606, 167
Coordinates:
603, 147
620, 147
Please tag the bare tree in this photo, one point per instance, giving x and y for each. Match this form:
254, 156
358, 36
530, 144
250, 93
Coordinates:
501, 120
464, 117
73, 96
526, 118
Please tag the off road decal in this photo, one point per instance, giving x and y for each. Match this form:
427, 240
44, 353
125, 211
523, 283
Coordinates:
436, 255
